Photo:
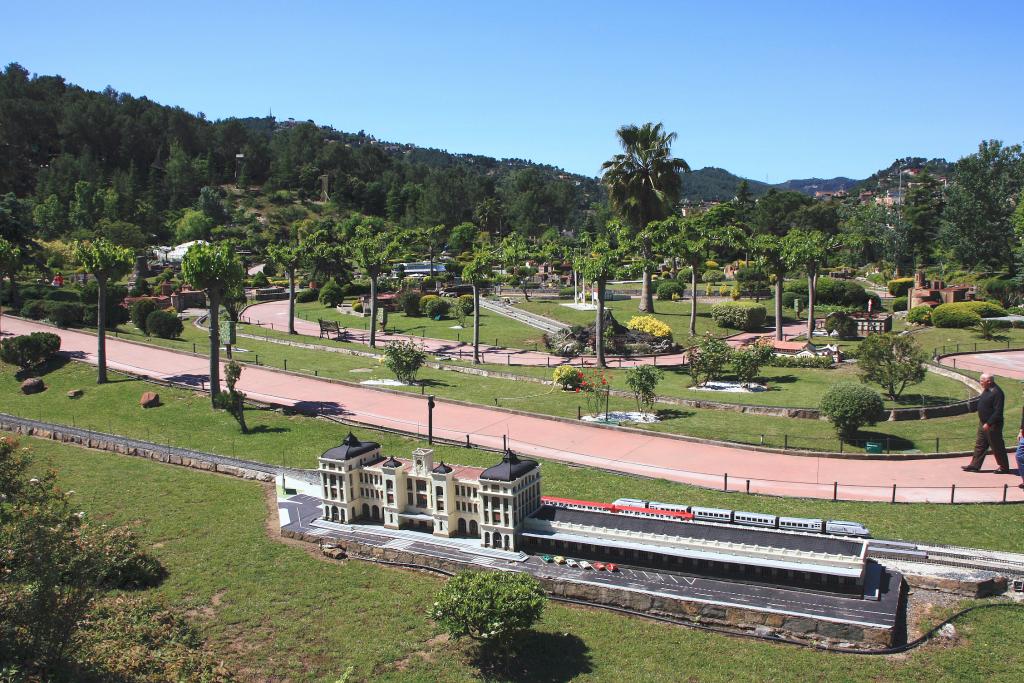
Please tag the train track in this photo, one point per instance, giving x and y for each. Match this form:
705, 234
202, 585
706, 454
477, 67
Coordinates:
1005, 563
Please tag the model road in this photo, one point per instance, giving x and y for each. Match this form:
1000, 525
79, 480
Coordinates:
651, 455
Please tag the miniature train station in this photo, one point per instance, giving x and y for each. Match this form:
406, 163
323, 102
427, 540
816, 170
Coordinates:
744, 569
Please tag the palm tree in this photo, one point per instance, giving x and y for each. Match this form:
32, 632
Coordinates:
216, 269
644, 183
598, 261
106, 261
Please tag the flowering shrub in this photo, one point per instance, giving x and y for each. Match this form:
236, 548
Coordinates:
568, 377
595, 390
650, 325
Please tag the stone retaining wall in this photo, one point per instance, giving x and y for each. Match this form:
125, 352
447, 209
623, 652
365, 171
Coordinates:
763, 624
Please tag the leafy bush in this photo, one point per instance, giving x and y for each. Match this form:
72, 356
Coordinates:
356, 288
64, 314
116, 313
141, 288
331, 295
305, 296
567, 377
900, 286
850, 406
140, 313
438, 308
566, 293
921, 315
813, 362
260, 280
899, 303
986, 309
643, 380
68, 295
492, 607
357, 307
1002, 289
404, 358
467, 301
748, 361
28, 351
34, 309
409, 302
712, 275
650, 325
842, 325
893, 361
120, 562
739, 315
459, 311
667, 289
164, 325
711, 264
955, 315
708, 359
835, 292
684, 275
89, 312
425, 301
789, 299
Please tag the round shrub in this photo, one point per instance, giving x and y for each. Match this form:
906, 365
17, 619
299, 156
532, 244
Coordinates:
739, 315
425, 301
667, 289
684, 274
331, 295
34, 309
900, 286
409, 302
164, 325
140, 312
356, 288
711, 264
29, 350
650, 325
89, 312
67, 295
834, 292
467, 303
922, 315
986, 309
566, 293
260, 280
789, 299
899, 304
357, 307
568, 377
712, 275
437, 308
955, 315
842, 325
305, 296
64, 314
850, 406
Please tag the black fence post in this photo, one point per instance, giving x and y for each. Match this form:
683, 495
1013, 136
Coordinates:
936, 444
467, 441
579, 413
952, 492
725, 483
1005, 488
894, 493
835, 491
785, 441
285, 363
840, 445
887, 449
748, 486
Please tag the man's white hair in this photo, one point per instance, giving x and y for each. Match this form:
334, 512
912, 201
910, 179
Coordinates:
985, 376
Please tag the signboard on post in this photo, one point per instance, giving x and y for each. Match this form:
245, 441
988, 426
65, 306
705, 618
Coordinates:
227, 332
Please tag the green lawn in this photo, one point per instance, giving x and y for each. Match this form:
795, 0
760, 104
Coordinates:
274, 612
509, 333
675, 314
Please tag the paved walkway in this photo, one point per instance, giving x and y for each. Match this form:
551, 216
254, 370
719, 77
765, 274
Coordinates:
1003, 363
642, 454
274, 314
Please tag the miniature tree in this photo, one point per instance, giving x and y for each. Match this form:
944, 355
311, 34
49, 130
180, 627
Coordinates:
10, 262
850, 406
215, 269
232, 400
289, 257
598, 261
478, 272
892, 361
106, 261
643, 381
708, 359
404, 358
748, 361
373, 247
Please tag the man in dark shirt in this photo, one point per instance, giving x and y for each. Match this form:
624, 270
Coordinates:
990, 428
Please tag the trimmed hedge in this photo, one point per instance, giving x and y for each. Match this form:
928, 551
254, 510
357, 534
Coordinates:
669, 288
954, 315
900, 286
64, 314
922, 315
425, 301
66, 295
850, 406
34, 309
467, 303
305, 296
29, 350
739, 315
899, 303
140, 313
789, 299
437, 308
164, 325
835, 292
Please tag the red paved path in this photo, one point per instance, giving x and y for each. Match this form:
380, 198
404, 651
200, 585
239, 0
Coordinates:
1003, 363
274, 314
649, 455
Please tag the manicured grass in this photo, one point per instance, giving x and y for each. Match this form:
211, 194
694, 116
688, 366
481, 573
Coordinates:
276, 613
509, 333
675, 314
185, 419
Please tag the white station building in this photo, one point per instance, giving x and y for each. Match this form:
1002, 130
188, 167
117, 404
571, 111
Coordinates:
360, 484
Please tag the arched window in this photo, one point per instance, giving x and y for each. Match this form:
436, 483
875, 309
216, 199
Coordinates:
487, 538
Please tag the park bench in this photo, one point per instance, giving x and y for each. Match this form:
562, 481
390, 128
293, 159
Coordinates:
330, 329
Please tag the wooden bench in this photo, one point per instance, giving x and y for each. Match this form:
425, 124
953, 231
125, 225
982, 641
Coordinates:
330, 329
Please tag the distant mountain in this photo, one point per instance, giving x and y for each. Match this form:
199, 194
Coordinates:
716, 184
889, 178
812, 185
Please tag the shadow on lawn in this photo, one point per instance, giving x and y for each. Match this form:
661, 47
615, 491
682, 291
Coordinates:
673, 413
537, 657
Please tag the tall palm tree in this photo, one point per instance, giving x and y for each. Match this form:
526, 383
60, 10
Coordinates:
644, 183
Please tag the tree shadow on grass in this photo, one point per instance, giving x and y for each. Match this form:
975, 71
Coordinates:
537, 658
908, 400
266, 429
893, 443
782, 379
432, 383
673, 413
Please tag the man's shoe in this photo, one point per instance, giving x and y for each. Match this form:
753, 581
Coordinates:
1020, 486
1003, 470
969, 468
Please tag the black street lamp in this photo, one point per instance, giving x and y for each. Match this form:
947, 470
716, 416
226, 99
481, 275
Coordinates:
430, 419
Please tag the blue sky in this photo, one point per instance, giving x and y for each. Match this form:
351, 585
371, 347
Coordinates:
767, 90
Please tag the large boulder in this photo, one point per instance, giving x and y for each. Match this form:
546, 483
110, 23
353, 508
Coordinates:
75, 393
33, 385
150, 399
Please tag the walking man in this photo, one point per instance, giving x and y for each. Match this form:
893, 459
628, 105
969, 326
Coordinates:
990, 428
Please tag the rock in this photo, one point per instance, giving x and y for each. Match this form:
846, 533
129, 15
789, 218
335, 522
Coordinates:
947, 631
33, 385
150, 399
75, 393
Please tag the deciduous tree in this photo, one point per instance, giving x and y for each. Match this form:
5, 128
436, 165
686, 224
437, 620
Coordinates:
106, 262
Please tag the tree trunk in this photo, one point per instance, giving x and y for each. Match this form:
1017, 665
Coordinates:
101, 331
646, 292
291, 301
373, 311
778, 306
214, 298
693, 301
476, 323
599, 324
812, 279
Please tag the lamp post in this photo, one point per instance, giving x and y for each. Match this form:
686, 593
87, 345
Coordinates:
430, 419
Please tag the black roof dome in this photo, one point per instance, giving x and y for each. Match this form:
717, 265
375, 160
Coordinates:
510, 468
350, 448
442, 469
391, 462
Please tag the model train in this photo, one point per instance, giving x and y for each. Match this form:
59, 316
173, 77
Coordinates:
819, 526
617, 508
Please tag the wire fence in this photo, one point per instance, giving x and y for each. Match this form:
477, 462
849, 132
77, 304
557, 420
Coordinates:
974, 347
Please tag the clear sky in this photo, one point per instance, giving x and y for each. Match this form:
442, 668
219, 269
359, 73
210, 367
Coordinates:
767, 90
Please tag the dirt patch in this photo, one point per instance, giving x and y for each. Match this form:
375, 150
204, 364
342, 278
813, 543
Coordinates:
427, 653
158, 544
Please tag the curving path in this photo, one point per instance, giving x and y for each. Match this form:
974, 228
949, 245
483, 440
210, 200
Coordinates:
566, 441
1003, 363
274, 314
